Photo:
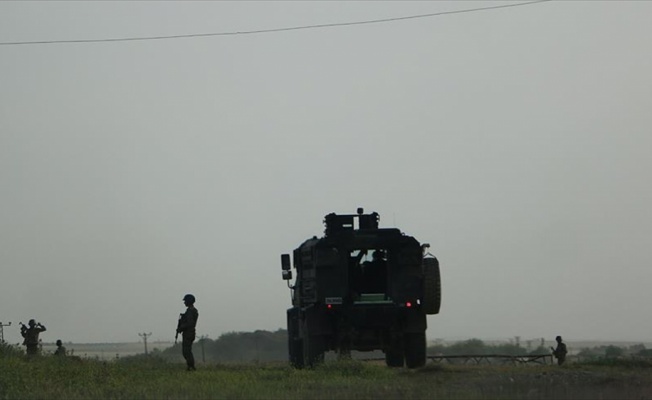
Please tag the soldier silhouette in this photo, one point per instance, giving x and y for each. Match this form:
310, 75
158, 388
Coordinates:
375, 273
560, 351
186, 327
30, 334
60, 351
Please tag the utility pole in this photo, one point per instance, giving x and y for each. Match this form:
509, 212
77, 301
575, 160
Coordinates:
2, 331
144, 336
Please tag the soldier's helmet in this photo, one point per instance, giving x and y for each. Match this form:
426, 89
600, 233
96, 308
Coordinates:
31, 322
558, 338
189, 298
59, 343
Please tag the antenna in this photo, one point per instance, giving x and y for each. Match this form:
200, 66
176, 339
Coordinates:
2, 331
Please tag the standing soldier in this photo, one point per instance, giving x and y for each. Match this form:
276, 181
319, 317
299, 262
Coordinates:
186, 327
60, 351
560, 351
30, 334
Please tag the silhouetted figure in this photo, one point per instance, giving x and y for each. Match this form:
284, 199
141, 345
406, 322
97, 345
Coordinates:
560, 351
375, 273
356, 280
60, 351
186, 327
30, 334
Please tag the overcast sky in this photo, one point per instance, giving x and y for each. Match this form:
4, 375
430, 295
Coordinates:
515, 141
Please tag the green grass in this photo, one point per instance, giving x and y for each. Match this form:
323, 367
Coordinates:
51, 378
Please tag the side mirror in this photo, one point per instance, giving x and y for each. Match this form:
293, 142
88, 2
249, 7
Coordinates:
285, 262
287, 275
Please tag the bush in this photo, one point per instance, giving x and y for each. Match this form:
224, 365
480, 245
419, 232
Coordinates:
613, 351
142, 359
478, 347
258, 346
620, 362
7, 350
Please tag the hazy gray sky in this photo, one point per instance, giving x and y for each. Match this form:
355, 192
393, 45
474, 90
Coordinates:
515, 141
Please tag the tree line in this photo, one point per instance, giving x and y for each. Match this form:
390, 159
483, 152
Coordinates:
263, 345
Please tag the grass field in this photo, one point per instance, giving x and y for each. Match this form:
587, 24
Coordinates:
51, 378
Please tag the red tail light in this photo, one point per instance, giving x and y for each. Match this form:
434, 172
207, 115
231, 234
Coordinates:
408, 304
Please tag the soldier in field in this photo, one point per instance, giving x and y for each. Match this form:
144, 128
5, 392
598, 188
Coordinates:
30, 334
60, 351
560, 351
186, 327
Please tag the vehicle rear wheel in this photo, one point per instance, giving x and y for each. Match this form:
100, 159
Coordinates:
431, 286
394, 358
415, 349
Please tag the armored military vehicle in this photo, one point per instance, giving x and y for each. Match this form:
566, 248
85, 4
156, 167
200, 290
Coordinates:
362, 288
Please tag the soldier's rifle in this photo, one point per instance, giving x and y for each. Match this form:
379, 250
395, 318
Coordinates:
25, 327
176, 337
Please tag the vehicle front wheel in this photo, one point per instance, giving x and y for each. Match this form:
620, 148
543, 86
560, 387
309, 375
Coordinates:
394, 358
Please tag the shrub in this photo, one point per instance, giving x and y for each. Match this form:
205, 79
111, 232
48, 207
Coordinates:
7, 350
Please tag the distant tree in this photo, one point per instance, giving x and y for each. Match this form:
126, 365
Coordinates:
541, 350
635, 348
240, 347
644, 353
613, 351
437, 349
7, 350
589, 353
471, 346
508, 349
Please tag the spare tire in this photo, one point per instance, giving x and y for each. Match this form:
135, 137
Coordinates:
431, 286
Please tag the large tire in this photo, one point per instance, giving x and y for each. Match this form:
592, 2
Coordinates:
313, 350
395, 354
295, 344
431, 286
296, 353
394, 358
415, 349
